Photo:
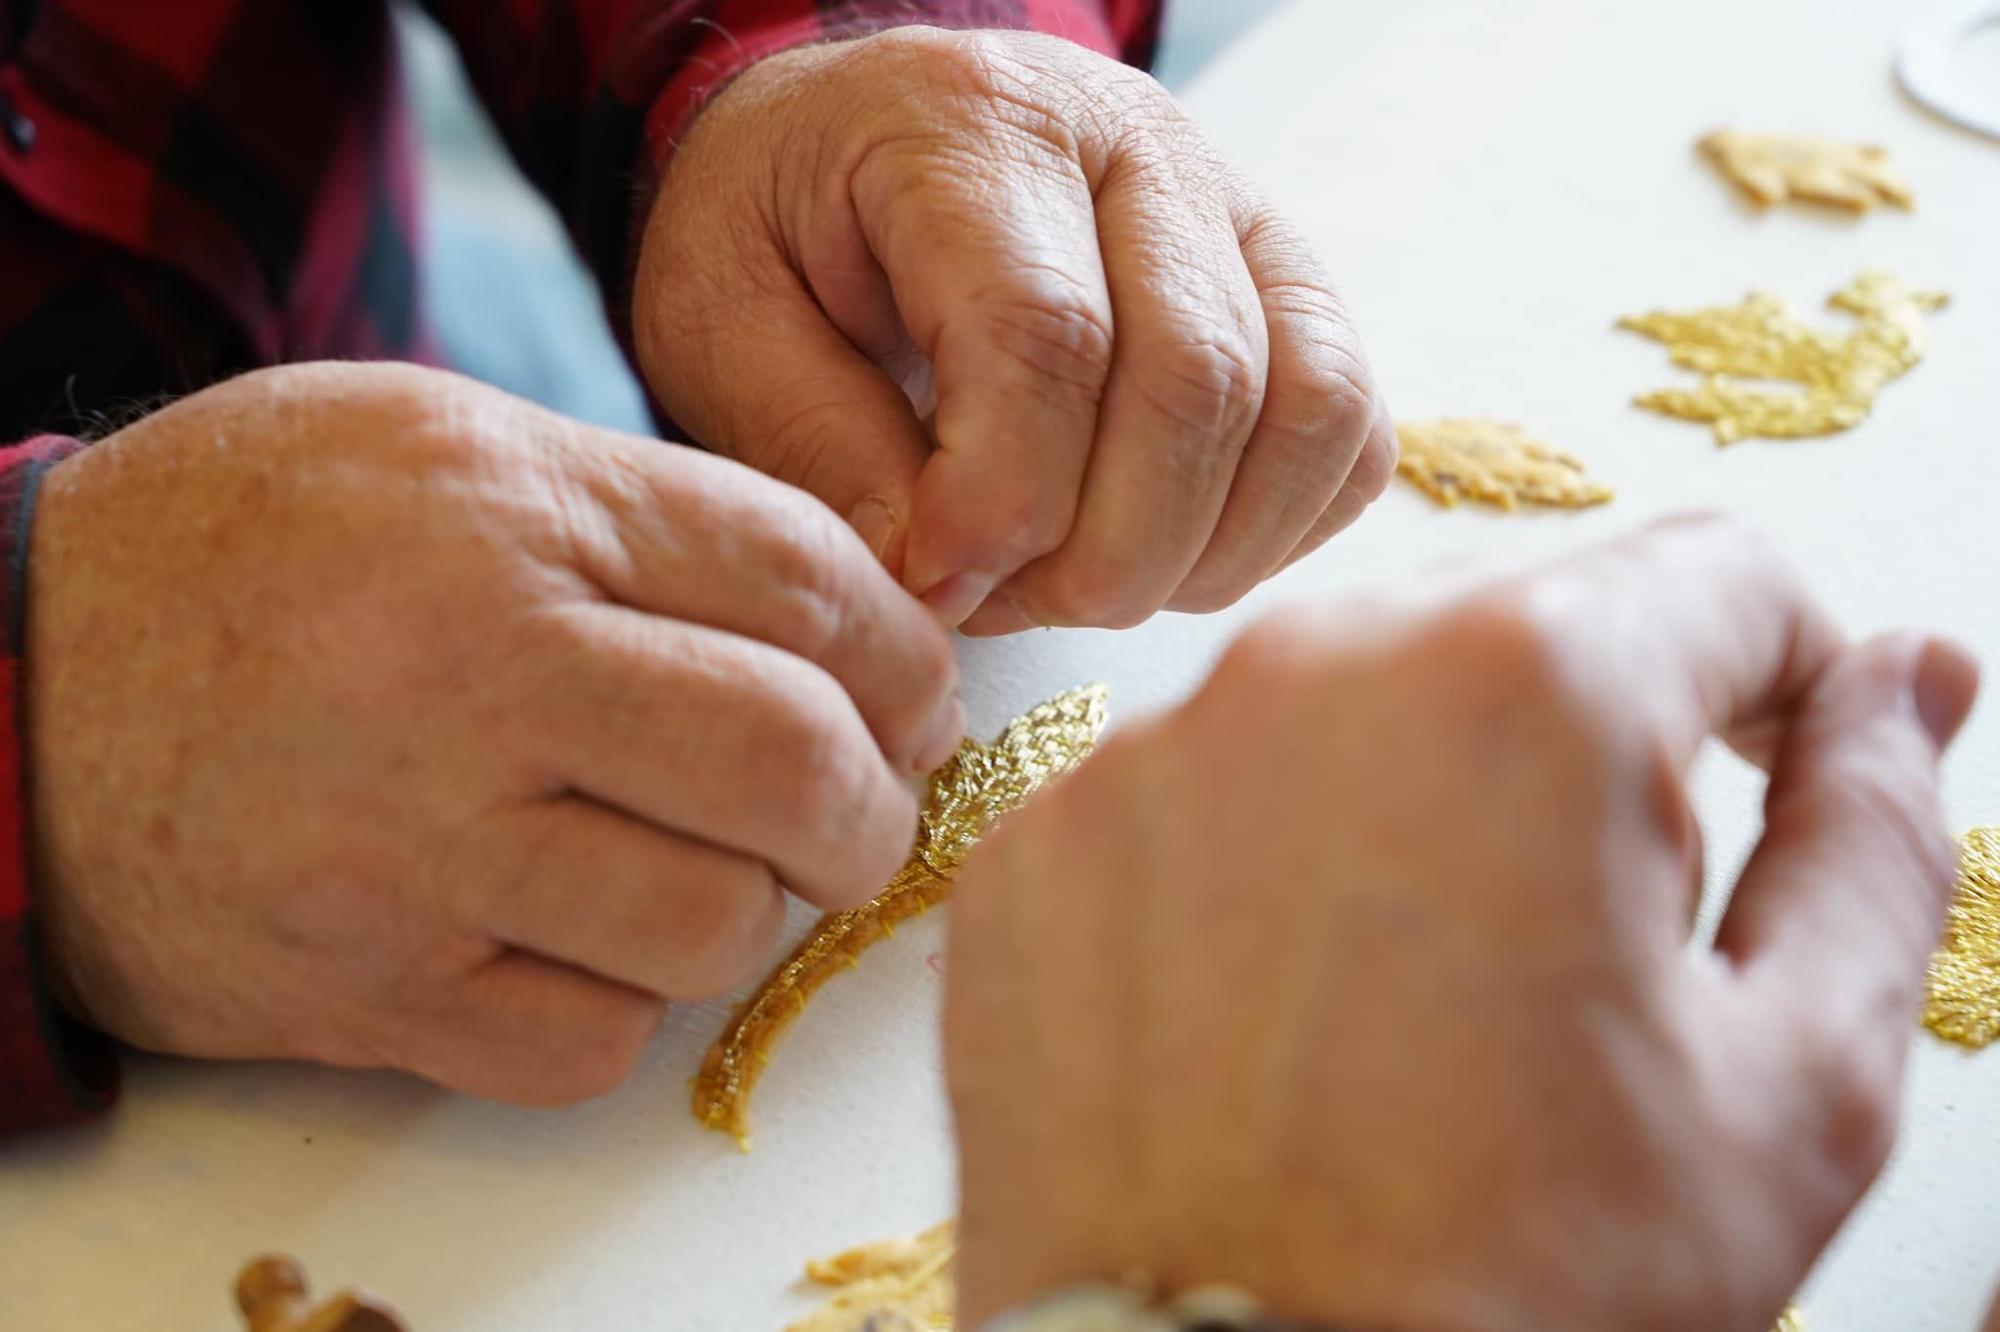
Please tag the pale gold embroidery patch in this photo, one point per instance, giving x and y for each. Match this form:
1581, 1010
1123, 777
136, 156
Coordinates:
1774, 168
978, 786
1963, 1003
895, 1286
1493, 463
910, 1285
1840, 374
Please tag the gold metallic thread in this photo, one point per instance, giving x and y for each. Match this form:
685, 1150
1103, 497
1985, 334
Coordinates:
1963, 1000
1493, 463
1840, 374
978, 786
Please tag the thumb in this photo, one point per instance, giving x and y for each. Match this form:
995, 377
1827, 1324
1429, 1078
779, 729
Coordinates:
770, 382
1843, 901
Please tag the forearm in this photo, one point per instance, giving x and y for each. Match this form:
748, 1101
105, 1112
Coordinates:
51, 1070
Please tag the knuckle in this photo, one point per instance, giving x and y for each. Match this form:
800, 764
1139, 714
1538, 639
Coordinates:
1282, 646
1052, 327
805, 552
961, 61
728, 935
1098, 590
1513, 668
601, 1056
799, 446
1747, 544
1895, 802
1206, 596
1375, 466
1320, 416
1208, 384
823, 772
934, 668
1861, 1105
1022, 518
1512, 638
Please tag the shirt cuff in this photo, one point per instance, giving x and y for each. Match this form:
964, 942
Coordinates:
723, 55
52, 1068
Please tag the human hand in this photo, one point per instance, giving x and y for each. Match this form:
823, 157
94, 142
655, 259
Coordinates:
379, 718
1146, 392
1363, 981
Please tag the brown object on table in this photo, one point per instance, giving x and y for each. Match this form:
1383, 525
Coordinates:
271, 1292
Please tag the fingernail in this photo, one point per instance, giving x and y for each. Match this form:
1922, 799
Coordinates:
1944, 685
875, 521
956, 597
944, 738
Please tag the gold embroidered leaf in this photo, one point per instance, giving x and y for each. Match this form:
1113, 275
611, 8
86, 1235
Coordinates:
1493, 463
1840, 374
1962, 1004
902, 1285
978, 786
1775, 168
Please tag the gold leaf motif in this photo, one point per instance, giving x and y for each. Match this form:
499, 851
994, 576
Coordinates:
1963, 1000
1493, 463
1840, 374
903, 1285
1774, 168
978, 786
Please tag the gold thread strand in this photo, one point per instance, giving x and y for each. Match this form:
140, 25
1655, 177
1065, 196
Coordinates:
977, 786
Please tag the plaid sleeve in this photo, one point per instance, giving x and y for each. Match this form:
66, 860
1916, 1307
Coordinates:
50, 1068
592, 95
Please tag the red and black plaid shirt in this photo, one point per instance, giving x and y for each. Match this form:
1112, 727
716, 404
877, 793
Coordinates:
191, 188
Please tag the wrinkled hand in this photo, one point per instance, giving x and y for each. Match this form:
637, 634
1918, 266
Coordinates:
381, 719
1146, 392
1362, 980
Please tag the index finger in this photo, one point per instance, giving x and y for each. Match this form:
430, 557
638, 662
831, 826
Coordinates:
704, 539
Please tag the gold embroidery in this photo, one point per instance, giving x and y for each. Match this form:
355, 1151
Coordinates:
1763, 338
910, 1286
1772, 168
978, 786
1963, 1003
895, 1286
1493, 463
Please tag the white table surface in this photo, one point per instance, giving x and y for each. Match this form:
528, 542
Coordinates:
1494, 184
